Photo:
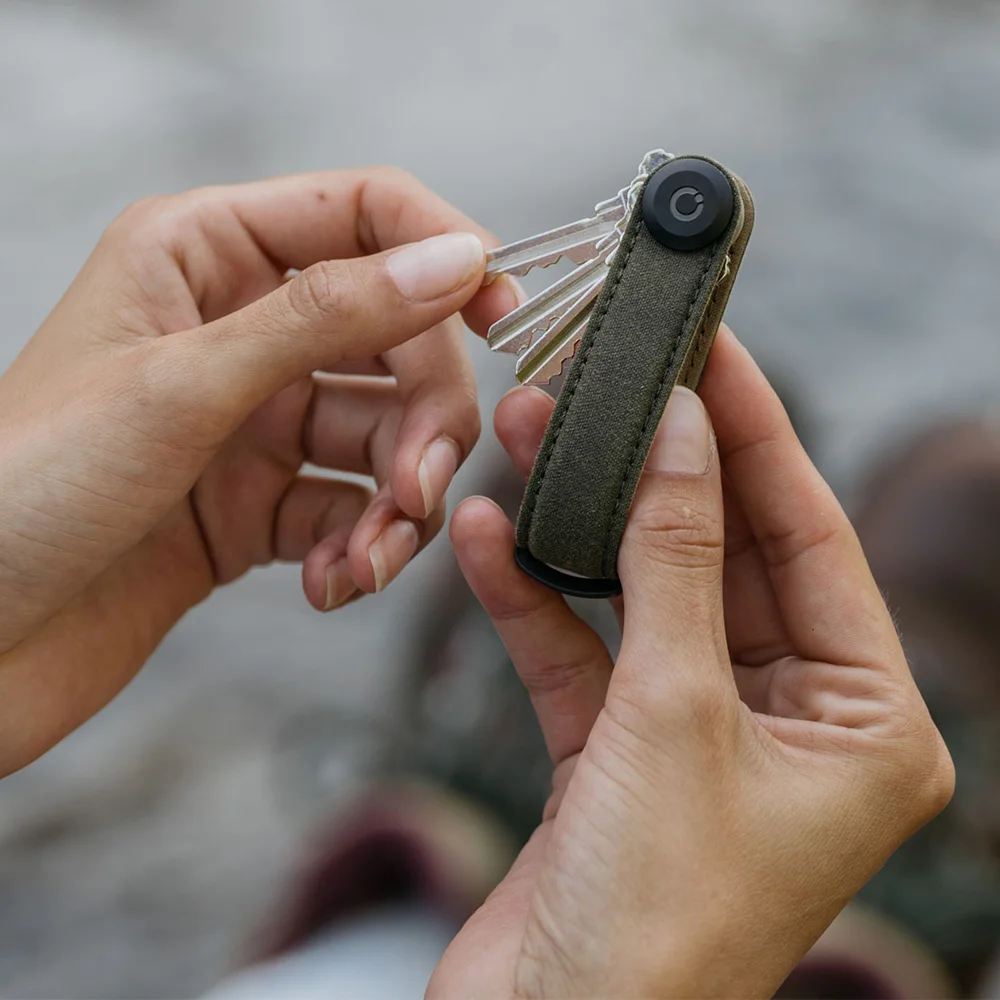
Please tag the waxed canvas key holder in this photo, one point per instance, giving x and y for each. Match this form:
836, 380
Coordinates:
651, 327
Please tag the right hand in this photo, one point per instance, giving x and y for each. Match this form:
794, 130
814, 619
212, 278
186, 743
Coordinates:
752, 757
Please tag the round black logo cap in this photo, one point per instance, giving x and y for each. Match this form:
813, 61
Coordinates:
687, 204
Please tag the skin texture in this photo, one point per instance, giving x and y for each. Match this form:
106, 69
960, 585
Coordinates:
753, 756
755, 753
152, 432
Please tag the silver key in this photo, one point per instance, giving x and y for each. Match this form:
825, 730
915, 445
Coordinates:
560, 314
577, 241
516, 330
544, 360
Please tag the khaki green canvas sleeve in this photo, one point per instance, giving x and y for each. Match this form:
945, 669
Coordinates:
652, 328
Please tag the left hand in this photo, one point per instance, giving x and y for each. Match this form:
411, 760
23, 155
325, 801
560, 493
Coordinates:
153, 431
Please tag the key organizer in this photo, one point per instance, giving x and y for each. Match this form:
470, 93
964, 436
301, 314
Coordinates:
677, 249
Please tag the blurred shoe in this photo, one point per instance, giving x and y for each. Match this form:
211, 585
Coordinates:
864, 956
402, 844
378, 900
931, 530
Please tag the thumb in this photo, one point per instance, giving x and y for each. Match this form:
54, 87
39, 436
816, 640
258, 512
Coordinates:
333, 311
671, 557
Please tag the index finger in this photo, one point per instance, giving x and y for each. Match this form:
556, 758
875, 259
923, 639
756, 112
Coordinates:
832, 608
306, 218
562, 661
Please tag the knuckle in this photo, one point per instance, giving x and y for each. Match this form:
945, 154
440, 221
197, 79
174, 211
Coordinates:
346, 508
161, 223
522, 609
553, 674
921, 776
141, 221
466, 416
781, 549
171, 219
393, 183
935, 777
394, 176
383, 193
680, 532
319, 293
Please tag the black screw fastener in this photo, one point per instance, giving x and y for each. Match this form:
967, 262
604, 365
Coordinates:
687, 204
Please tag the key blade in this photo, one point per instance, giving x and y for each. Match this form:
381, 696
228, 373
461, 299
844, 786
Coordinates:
577, 241
515, 331
545, 360
542, 361
574, 308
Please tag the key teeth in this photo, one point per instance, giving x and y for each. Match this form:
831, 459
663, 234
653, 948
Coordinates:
552, 368
518, 345
520, 272
577, 255
534, 318
583, 254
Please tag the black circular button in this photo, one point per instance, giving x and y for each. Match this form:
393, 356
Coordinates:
687, 204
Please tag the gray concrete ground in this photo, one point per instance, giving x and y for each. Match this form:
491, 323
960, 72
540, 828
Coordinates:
135, 859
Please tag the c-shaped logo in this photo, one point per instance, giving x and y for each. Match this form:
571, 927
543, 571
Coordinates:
687, 192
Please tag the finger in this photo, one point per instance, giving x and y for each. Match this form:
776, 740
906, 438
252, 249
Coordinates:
492, 302
301, 220
671, 556
563, 663
385, 540
311, 509
354, 427
828, 600
304, 218
351, 425
327, 580
440, 421
313, 524
753, 621
332, 312
520, 420
755, 630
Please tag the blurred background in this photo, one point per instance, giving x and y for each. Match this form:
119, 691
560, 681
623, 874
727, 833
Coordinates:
142, 855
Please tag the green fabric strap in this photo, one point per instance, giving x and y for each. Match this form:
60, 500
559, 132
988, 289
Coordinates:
652, 327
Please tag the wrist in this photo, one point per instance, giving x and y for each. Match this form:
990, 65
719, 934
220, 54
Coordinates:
79, 659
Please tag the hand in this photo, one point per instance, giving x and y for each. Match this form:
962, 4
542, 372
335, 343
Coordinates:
153, 431
755, 754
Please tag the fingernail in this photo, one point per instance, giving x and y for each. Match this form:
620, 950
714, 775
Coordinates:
339, 584
436, 470
392, 550
434, 267
683, 440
